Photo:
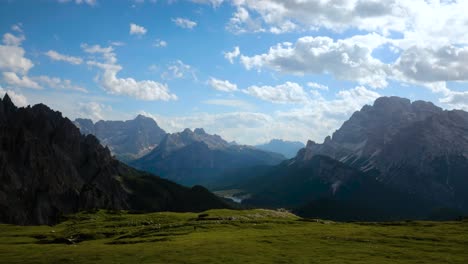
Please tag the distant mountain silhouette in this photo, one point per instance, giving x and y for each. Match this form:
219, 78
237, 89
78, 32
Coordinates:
127, 140
48, 169
288, 149
195, 157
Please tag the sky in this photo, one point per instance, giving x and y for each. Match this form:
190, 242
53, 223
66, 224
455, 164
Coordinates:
248, 70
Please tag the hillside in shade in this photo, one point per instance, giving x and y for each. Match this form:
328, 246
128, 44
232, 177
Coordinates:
49, 169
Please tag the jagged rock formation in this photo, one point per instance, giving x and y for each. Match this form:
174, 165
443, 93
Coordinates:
195, 157
415, 147
127, 140
288, 149
48, 168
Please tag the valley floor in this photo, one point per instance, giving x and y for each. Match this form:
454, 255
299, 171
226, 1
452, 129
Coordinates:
225, 236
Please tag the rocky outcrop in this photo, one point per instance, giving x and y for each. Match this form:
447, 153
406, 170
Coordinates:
127, 140
415, 147
48, 169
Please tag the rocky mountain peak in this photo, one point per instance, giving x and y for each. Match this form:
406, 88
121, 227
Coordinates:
199, 131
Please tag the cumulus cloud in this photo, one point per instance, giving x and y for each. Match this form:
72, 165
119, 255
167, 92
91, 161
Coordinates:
12, 59
178, 70
448, 63
20, 81
143, 90
288, 92
12, 40
242, 22
184, 22
222, 85
317, 86
93, 110
57, 83
230, 56
61, 57
456, 100
314, 119
137, 30
347, 59
17, 98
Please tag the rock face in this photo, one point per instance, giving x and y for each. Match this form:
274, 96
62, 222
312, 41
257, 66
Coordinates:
415, 147
127, 140
195, 157
48, 168
322, 187
288, 149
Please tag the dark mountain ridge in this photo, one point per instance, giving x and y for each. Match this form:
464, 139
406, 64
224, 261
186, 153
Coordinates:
48, 168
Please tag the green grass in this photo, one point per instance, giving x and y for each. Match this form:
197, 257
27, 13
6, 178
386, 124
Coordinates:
225, 236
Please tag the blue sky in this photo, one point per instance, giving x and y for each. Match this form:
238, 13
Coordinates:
247, 70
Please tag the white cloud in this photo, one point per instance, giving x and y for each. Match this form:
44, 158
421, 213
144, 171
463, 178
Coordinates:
241, 22
178, 70
223, 86
17, 27
17, 98
12, 40
93, 110
143, 90
61, 57
160, 43
428, 65
317, 86
456, 100
58, 83
12, 59
347, 59
314, 120
137, 30
16, 81
230, 56
288, 92
184, 22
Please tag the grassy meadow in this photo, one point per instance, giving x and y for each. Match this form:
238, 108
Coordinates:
226, 236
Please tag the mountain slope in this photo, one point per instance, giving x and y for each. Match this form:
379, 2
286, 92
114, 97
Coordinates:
126, 139
288, 149
48, 168
195, 157
325, 188
415, 147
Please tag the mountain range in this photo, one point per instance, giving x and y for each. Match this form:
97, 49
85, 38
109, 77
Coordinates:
415, 147
393, 160
196, 157
288, 149
127, 140
49, 169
